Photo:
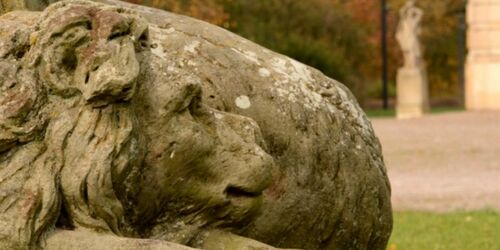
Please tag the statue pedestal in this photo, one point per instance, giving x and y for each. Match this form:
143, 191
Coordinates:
412, 93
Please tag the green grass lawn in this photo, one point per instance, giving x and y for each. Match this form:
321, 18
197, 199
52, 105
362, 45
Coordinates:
450, 231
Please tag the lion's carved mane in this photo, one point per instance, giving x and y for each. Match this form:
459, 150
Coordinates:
104, 126
66, 132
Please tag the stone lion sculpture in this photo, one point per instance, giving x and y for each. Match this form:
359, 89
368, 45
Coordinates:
125, 127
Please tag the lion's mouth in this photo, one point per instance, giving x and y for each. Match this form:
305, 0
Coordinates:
241, 192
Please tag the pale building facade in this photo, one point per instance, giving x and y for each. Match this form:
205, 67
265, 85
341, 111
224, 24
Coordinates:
482, 90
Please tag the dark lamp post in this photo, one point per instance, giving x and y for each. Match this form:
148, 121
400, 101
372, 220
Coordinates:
383, 45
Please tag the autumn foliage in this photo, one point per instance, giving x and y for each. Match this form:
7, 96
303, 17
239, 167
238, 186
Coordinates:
340, 37
207, 10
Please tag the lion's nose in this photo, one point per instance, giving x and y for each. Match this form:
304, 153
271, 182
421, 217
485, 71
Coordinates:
244, 166
248, 172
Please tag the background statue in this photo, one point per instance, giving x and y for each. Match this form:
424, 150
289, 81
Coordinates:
407, 34
128, 127
412, 85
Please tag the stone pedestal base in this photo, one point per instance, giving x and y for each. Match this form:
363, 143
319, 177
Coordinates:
412, 93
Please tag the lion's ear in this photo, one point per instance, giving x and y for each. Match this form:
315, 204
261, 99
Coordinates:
82, 50
112, 79
54, 52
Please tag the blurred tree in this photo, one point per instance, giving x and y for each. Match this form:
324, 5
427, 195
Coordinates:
440, 37
320, 33
339, 37
207, 10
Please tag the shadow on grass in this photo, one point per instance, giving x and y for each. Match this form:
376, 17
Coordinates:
375, 113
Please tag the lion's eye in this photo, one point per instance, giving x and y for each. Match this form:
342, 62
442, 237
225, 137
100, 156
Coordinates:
191, 104
142, 42
195, 105
119, 32
191, 101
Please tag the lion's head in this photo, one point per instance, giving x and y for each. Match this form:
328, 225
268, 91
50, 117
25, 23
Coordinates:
104, 127
88, 139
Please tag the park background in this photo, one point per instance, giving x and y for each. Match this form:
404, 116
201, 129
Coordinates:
342, 39
444, 168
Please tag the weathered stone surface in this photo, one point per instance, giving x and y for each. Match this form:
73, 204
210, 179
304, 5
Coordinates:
141, 124
66, 239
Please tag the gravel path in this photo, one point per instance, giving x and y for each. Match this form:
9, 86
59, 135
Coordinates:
443, 162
